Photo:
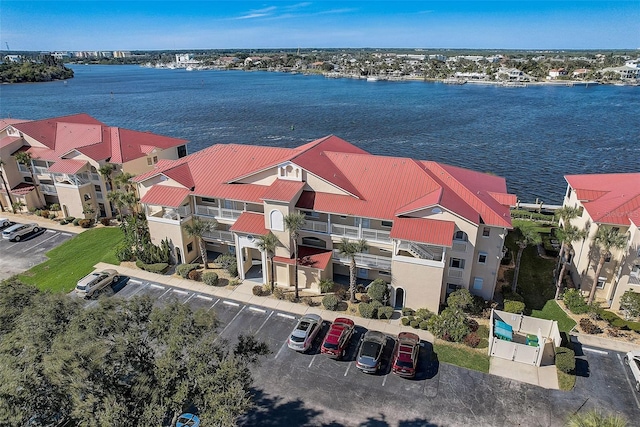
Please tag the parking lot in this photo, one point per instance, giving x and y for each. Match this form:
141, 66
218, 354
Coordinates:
309, 389
16, 257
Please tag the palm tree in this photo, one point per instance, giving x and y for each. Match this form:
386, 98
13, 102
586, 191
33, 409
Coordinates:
106, 170
350, 249
528, 236
4, 185
268, 243
116, 199
24, 158
198, 229
565, 214
568, 234
293, 223
606, 238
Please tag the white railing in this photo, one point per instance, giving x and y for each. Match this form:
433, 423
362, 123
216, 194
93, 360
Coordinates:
23, 168
459, 246
345, 230
47, 188
218, 212
230, 213
225, 236
377, 235
41, 170
70, 179
95, 177
365, 260
174, 214
421, 251
456, 272
317, 226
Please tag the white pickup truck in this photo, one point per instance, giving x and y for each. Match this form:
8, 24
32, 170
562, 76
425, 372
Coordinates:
95, 282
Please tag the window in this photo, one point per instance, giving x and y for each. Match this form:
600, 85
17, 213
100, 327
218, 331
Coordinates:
456, 263
87, 197
486, 232
363, 273
228, 204
386, 223
28, 179
477, 283
451, 287
365, 222
208, 200
232, 249
182, 151
311, 214
601, 282
314, 241
189, 247
482, 258
277, 220
384, 273
149, 161
155, 159
568, 192
460, 235
97, 188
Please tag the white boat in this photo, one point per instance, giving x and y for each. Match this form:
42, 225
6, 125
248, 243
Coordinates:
190, 68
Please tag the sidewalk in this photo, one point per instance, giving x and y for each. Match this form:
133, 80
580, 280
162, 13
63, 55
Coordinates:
46, 223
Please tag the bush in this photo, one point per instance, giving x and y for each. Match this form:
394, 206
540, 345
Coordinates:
52, 215
406, 311
385, 312
183, 269
378, 290
472, 324
424, 325
210, 278
278, 293
513, 306
451, 322
195, 275
76, 221
84, 223
415, 324
478, 306
326, 285
575, 302
63, 222
257, 290
234, 282
105, 221
291, 297
330, 302
70, 218
472, 340
512, 296
423, 313
589, 327
341, 293
44, 213
405, 321
365, 298
460, 299
309, 301
366, 310
565, 360
157, 268
124, 252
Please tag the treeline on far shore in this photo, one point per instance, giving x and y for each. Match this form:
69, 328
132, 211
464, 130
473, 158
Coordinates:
30, 72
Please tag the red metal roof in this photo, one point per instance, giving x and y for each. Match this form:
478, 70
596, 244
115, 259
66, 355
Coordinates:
164, 195
22, 189
423, 230
309, 257
283, 191
608, 198
8, 140
70, 166
250, 223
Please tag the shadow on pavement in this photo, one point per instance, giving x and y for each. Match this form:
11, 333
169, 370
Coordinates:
274, 411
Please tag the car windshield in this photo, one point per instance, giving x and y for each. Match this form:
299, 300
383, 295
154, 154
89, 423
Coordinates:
370, 349
296, 338
81, 287
404, 364
330, 346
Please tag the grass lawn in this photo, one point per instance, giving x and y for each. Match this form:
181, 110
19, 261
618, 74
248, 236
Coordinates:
552, 311
461, 355
74, 259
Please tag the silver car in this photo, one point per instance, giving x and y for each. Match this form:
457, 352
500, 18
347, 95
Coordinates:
305, 332
94, 282
370, 352
16, 231
4, 222
633, 360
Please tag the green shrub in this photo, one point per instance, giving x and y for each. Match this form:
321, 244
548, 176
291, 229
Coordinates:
157, 268
472, 340
76, 221
461, 299
309, 301
257, 290
210, 278
330, 302
63, 222
575, 302
326, 285
52, 215
512, 296
183, 269
378, 290
450, 325
565, 360
423, 313
44, 213
513, 306
70, 218
278, 293
195, 275
341, 293
414, 324
385, 312
366, 310
478, 305
124, 252
405, 321
234, 282
406, 311
424, 325
84, 223
291, 297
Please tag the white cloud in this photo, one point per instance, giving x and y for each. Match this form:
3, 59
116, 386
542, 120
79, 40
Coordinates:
258, 13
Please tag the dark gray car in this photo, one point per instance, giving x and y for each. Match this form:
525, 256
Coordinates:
370, 352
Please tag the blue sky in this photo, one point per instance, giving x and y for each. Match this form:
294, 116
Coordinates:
158, 24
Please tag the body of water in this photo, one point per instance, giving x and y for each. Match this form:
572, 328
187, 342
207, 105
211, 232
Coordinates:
531, 136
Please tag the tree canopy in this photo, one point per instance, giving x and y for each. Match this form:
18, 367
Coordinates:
120, 362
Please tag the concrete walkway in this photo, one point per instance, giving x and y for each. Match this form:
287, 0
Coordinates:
49, 224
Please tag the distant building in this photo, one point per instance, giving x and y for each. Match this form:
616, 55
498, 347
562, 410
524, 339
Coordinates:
61, 55
12, 58
625, 72
580, 73
554, 73
184, 58
121, 54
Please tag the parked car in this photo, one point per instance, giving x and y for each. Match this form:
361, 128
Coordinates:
370, 352
4, 222
305, 332
94, 282
16, 231
405, 355
633, 360
337, 339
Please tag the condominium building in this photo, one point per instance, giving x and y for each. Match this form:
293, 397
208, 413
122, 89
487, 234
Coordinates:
609, 200
430, 228
66, 155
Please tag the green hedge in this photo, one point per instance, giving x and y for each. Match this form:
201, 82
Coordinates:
565, 360
210, 278
184, 269
514, 307
618, 322
367, 310
158, 268
385, 312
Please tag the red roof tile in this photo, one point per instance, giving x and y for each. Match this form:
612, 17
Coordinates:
9, 121
430, 231
250, 223
283, 191
164, 195
70, 166
309, 257
22, 189
609, 198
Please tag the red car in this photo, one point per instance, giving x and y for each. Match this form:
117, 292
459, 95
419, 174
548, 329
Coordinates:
405, 355
337, 339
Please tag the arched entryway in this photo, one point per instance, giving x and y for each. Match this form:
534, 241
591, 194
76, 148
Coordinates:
399, 300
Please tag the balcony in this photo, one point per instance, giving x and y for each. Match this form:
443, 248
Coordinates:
456, 272
48, 189
22, 168
219, 235
365, 260
95, 177
77, 180
168, 215
315, 226
41, 170
431, 253
218, 213
360, 233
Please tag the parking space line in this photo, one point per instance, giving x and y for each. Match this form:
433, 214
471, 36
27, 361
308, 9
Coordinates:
67, 234
166, 292
347, 371
264, 323
229, 324
235, 304
384, 380
137, 282
180, 291
34, 246
204, 297
187, 300
312, 359
153, 285
593, 350
259, 310
288, 316
50, 231
141, 288
214, 304
280, 351
633, 389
